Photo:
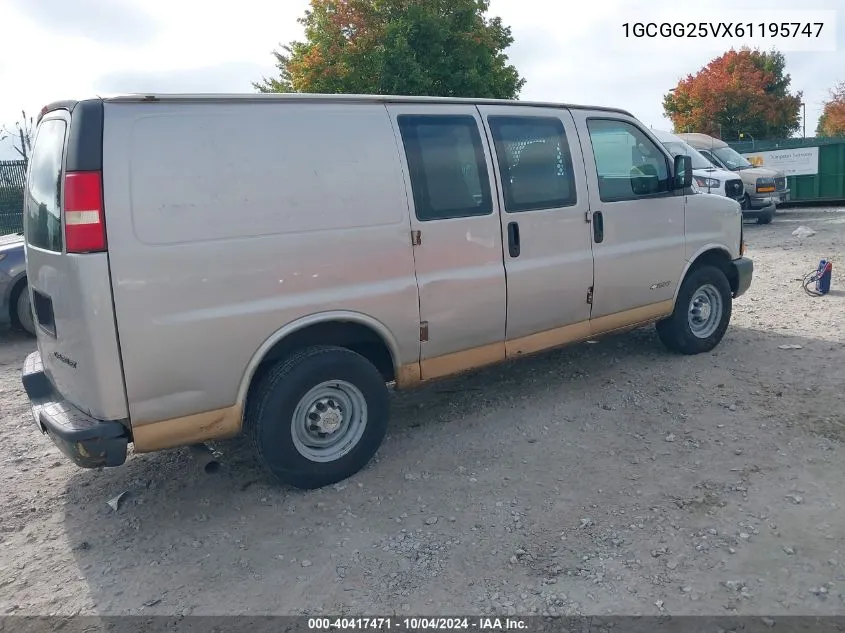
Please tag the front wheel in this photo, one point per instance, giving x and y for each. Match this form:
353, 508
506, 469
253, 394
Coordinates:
702, 313
318, 416
765, 218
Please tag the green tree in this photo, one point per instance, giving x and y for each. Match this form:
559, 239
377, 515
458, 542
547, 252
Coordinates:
741, 92
404, 47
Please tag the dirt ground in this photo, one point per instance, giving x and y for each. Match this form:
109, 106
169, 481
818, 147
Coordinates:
607, 478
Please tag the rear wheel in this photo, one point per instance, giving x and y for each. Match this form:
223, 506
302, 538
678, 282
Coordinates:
318, 416
23, 311
702, 313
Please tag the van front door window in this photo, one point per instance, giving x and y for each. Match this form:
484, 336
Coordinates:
629, 165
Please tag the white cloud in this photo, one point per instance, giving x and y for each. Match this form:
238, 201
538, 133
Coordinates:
186, 36
568, 51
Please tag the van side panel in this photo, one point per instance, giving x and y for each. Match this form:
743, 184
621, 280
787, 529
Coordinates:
228, 221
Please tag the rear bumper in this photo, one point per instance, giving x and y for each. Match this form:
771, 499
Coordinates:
88, 442
743, 269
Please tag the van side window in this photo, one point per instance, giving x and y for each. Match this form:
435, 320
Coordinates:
42, 202
534, 162
448, 170
628, 163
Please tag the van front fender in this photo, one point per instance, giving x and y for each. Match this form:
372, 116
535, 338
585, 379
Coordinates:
714, 253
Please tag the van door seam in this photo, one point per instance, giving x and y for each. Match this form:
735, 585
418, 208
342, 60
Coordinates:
406, 183
589, 204
500, 207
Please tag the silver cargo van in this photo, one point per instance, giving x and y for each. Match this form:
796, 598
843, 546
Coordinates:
207, 265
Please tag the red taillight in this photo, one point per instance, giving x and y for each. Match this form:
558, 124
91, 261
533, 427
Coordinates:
85, 227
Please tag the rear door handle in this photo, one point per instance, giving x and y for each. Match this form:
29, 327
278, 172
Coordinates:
513, 239
598, 227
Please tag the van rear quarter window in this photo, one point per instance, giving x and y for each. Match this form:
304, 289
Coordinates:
449, 175
42, 203
260, 170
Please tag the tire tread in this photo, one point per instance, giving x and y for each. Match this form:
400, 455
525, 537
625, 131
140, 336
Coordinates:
673, 331
256, 417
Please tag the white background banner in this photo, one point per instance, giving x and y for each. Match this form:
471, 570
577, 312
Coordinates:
803, 161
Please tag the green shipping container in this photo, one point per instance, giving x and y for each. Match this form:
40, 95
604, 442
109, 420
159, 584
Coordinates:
827, 185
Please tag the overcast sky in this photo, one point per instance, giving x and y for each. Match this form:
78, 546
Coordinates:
57, 49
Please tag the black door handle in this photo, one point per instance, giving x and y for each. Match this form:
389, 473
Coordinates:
513, 239
598, 227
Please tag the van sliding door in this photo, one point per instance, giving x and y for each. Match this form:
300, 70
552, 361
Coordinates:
458, 244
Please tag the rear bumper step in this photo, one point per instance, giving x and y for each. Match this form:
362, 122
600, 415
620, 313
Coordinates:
87, 441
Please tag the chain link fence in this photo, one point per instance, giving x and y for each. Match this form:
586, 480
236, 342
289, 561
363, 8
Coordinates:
12, 179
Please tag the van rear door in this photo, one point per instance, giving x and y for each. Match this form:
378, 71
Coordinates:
67, 260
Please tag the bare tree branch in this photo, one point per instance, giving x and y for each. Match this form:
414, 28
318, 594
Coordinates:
22, 135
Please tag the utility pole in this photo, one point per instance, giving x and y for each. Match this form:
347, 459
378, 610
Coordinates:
804, 118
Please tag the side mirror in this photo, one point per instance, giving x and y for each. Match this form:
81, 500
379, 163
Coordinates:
683, 171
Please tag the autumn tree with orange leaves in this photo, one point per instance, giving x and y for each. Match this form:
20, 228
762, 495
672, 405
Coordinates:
741, 92
832, 120
403, 47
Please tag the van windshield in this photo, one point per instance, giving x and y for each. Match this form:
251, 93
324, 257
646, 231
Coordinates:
731, 158
679, 148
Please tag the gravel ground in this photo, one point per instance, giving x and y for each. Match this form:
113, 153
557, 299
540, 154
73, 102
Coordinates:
607, 478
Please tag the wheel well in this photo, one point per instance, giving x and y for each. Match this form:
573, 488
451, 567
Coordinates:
721, 260
353, 336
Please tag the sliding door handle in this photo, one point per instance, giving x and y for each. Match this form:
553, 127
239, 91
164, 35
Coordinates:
598, 227
513, 239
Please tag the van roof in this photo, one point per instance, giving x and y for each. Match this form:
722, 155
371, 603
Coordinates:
663, 136
310, 97
702, 140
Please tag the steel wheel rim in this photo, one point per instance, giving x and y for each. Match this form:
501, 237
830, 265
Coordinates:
329, 421
705, 311
25, 317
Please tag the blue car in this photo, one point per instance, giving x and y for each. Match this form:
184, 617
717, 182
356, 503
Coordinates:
15, 308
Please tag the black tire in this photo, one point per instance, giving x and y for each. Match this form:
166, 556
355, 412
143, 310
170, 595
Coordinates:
765, 218
273, 401
21, 310
676, 333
